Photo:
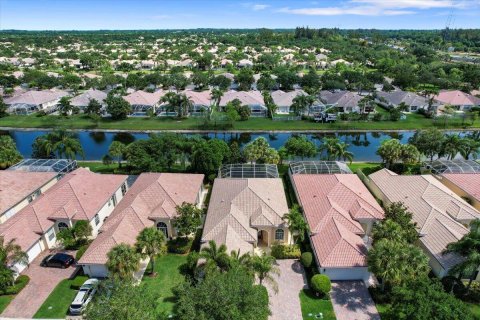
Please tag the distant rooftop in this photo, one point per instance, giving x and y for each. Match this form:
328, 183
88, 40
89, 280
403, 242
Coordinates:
319, 167
62, 166
453, 166
244, 170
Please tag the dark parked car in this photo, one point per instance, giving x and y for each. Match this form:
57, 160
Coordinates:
58, 260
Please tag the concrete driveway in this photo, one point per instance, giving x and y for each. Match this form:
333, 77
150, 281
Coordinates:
352, 301
42, 282
285, 305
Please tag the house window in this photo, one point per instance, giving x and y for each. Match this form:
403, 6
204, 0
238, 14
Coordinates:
163, 227
62, 226
97, 219
124, 189
113, 200
279, 234
51, 234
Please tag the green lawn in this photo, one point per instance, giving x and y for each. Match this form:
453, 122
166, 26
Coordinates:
475, 308
98, 166
4, 301
354, 166
168, 277
57, 303
311, 306
413, 121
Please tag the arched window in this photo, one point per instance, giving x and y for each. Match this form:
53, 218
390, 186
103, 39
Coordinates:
163, 227
279, 234
62, 226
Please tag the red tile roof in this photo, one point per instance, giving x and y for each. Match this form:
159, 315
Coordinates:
15, 186
152, 196
468, 182
79, 195
333, 204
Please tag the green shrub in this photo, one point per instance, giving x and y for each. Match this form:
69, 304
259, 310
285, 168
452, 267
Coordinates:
282, 251
321, 284
306, 259
180, 245
81, 251
20, 283
78, 281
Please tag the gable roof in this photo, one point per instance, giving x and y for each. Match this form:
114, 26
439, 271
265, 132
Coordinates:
437, 211
344, 99
409, 98
285, 99
15, 186
36, 97
237, 206
333, 204
152, 196
457, 98
83, 99
79, 195
201, 98
144, 98
245, 97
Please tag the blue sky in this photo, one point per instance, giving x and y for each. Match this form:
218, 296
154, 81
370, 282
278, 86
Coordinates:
174, 14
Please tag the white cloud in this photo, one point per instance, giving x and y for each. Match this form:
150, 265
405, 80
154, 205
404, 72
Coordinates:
258, 7
381, 7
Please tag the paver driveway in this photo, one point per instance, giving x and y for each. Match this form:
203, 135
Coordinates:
285, 305
352, 301
42, 282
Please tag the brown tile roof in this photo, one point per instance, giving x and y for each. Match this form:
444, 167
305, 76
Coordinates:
16, 186
79, 195
144, 98
437, 211
152, 196
333, 204
238, 206
468, 182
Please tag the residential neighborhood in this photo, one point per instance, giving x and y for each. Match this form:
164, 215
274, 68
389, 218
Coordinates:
219, 160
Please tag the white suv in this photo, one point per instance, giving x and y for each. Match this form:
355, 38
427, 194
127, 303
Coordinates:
84, 296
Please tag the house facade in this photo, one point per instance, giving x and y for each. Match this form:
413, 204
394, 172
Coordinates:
460, 100
393, 99
141, 101
33, 101
252, 99
150, 202
245, 213
18, 189
79, 195
82, 100
340, 213
344, 101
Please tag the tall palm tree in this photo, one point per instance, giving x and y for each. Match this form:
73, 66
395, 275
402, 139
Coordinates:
470, 147
123, 261
264, 268
217, 254
178, 102
296, 223
216, 96
330, 146
302, 102
238, 259
151, 243
61, 143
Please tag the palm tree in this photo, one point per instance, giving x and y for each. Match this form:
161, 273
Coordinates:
296, 223
216, 96
238, 259
10, 252
117, 149
264, 267
470, 147
343, 153
331, 147
61, 143
151, 243
123, 261
301, 103
452, 145
178, 102
216, 254
468, 247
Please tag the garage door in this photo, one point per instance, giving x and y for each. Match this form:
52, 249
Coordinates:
347, 274
34, 251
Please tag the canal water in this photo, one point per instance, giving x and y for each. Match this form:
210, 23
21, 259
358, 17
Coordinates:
95, 144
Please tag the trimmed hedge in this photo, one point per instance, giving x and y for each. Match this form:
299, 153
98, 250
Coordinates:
306, 259
20, 283
321, 284
180, 245
282, 251
81, 251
